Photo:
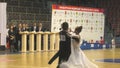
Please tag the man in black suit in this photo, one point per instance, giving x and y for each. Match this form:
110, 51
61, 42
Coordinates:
34, 28
25, 27
18, 37
39, 27
65, 46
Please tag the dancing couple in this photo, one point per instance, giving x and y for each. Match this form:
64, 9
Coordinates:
70, 55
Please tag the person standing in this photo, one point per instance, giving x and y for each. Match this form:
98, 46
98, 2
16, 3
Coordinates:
26, 28
65, 45
35, 29
7, 37
12, 38
18, 37
77, 58
39, 27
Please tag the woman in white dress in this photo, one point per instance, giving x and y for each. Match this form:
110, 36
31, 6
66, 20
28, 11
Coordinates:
77, 58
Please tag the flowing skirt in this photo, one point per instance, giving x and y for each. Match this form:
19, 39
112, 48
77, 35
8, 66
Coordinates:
77, 59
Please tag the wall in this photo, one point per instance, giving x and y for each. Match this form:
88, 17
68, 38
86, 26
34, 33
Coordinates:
30, 11
27, 11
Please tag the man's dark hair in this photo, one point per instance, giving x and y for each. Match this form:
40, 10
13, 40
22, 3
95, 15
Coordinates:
65, 26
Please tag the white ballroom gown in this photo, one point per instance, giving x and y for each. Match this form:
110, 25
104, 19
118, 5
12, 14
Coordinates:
77, 58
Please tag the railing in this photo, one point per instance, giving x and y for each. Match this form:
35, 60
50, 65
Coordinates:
54, 41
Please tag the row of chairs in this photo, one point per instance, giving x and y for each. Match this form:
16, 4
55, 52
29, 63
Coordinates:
85, 46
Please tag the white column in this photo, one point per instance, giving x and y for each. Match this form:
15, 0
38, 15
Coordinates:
45, 47
57, 41
39, 41
31, 41
52, 40
24, 41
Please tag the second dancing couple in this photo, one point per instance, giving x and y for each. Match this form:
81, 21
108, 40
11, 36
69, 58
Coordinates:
70, 55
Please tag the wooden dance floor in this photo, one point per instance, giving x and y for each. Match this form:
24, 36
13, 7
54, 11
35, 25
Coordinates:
40, 59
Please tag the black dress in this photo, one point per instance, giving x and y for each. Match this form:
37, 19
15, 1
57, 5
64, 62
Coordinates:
12, 40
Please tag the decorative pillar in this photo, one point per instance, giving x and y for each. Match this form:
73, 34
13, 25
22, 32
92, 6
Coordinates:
52, 40
57, 41
45, 47
38, 48
24, 41
31, 41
